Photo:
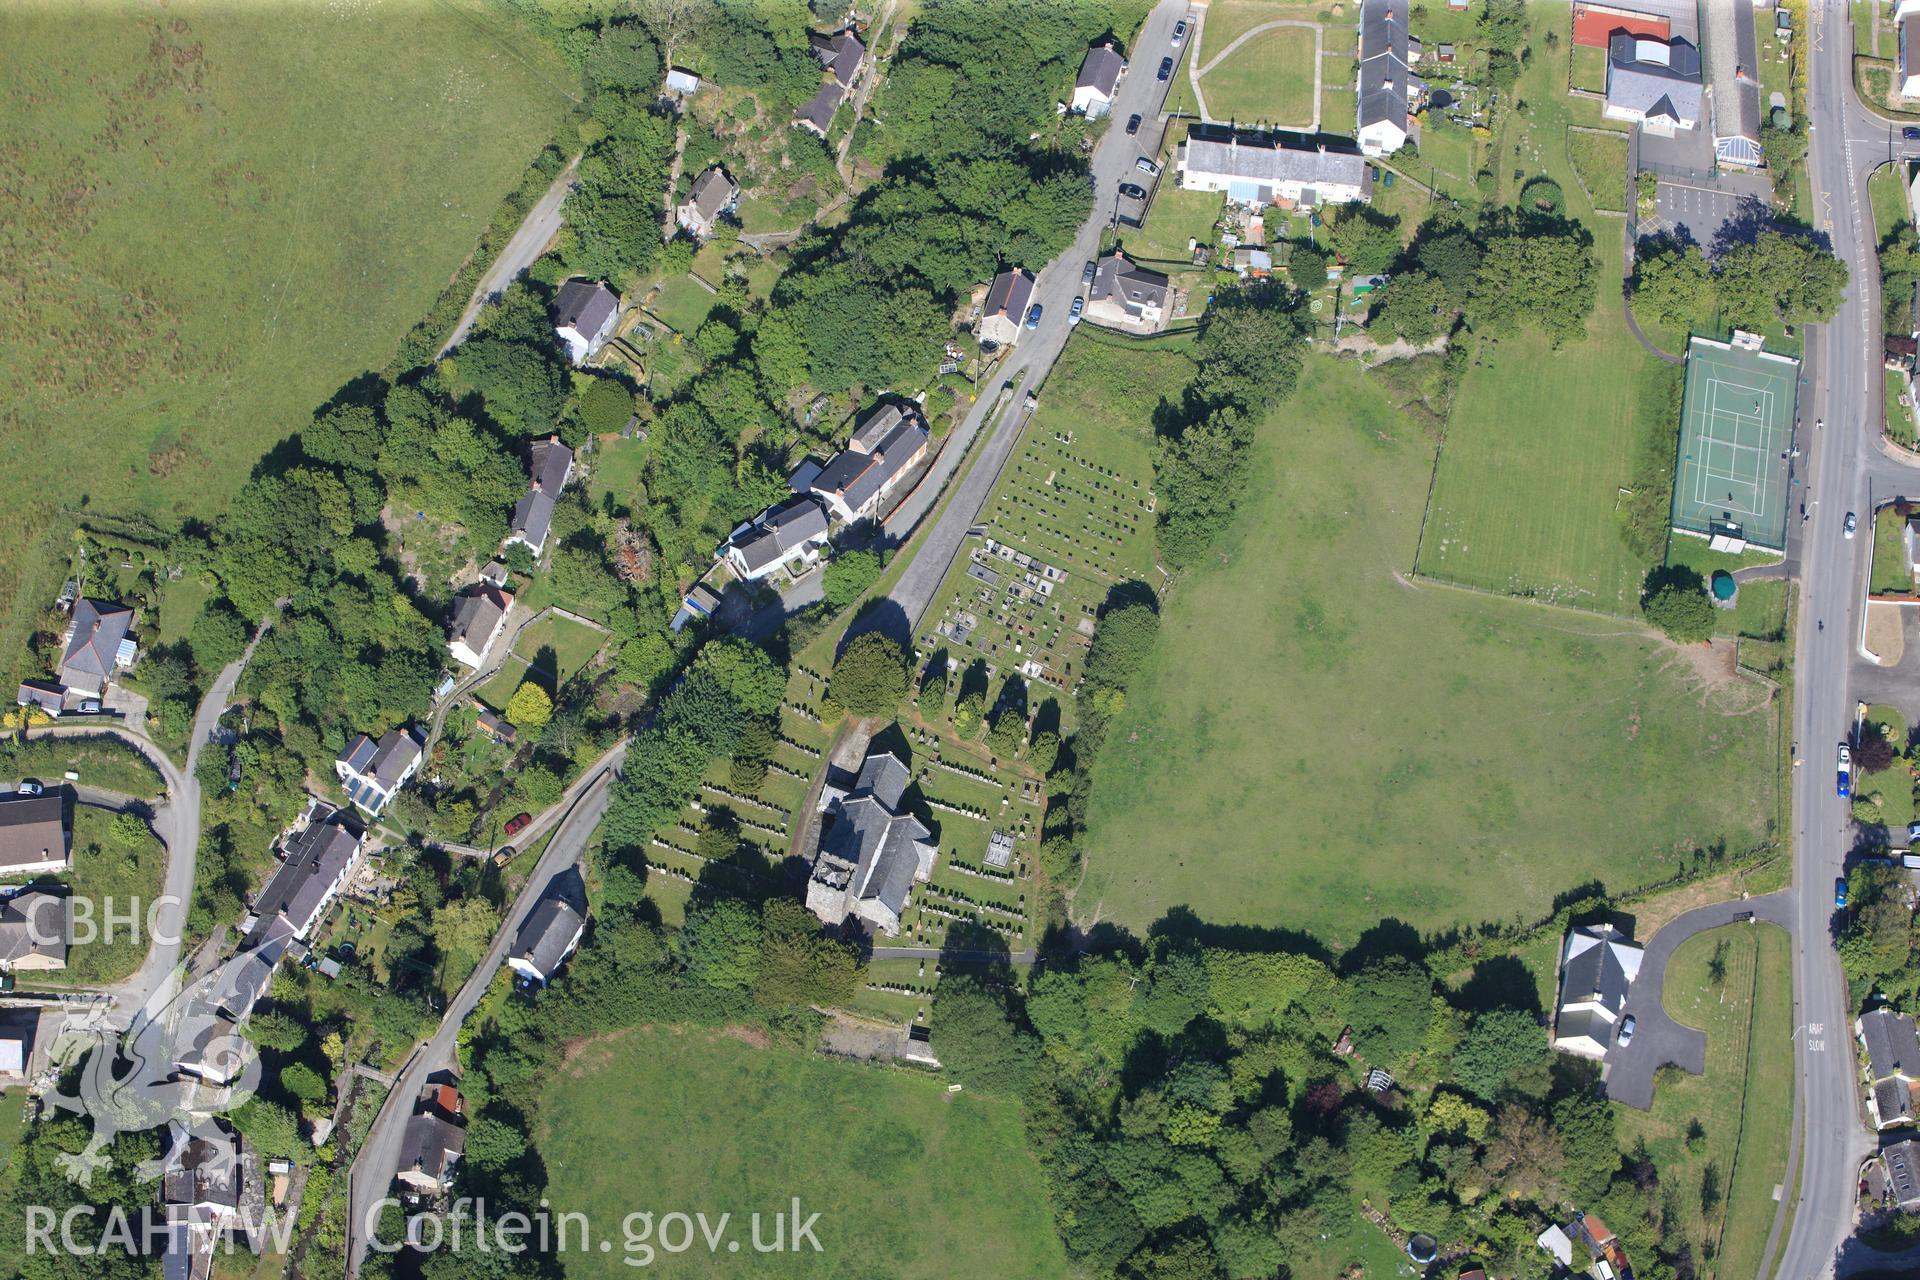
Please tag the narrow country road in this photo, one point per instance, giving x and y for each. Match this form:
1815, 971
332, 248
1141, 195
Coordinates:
526, 244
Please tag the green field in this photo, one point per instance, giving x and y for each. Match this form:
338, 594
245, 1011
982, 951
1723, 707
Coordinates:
1742, 1105
105, 762
547, 652
1228, 20
1318, 744
216, 216
1601, 161
1267, 81
908, 1180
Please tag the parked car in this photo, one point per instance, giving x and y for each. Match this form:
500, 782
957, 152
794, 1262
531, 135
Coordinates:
1853, 522
1845, 783
1911, 133
1840, 892
1133, 192
1088, 272
1627, 1026
1033, 316
1179, 33
1146, 166
1166, 70
1133, 124
1073, 313
30, 787
518, 823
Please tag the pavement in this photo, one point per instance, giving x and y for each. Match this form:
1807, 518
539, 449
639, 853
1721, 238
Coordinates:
528, 242
577, 815
1657, 1039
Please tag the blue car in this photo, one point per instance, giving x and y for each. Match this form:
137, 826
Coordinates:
1840, 892
1844, 783
1033, 317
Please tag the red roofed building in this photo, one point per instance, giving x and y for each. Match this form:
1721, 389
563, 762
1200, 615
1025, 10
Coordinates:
1594, 23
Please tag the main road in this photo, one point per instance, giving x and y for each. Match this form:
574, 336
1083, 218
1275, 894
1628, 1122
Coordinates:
1844, 387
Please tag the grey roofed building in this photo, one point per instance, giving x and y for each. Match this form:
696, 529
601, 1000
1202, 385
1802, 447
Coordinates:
551, 931
95, 645
1653, 80
1892, 1043
586, 307
777, 536
872, 853
1101, 68
713, 193
478, 613
1903, 1172
1597, 967
201, 1178
35, 926
372, 771
879, 453
1257, 169
840, 54
817, 112
1006, 306
550, 466
1133, 289
429, 1149
1386, 76
1893, 1102
44, 694
318, 859
33, 833
1733, 60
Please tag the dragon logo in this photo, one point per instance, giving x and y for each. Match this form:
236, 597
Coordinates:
181, 1061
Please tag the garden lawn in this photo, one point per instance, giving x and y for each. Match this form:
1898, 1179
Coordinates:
683, 304
1589, 68
111, 874
1318, 744
1742, 1104
1890, 574
1268, 80
105, 762
217, 215
936, 1185
1888, 197
1228, 20
548, 653
1176, 217
1446, 147
617, 469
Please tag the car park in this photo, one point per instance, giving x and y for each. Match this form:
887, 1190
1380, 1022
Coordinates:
1133, 124
1033, 316
1627, 1026
1073, 315
518, 823
1166, 70
1853, 523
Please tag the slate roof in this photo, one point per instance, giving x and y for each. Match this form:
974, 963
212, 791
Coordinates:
712, 192
1893, 1045
839, 53
1597, 967
35, 914
818, 110
1656, 78
1903, 1170
870, 833
1384, 68
315, 858
1277, 159
583, 306
549, 466
1893, 1101
45, 694
32, 829
94, 645
1100, 69
1134, 288
476, 612
1733, 59
547, 935
856, 477
201, 1172
779, 531
1009, 295
384, 761
431, 1145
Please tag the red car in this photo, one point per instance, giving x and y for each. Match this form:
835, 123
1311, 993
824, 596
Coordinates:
518, 823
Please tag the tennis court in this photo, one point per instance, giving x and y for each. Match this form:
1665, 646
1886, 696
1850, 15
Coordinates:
1736, 430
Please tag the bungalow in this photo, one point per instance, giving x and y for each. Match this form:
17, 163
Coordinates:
429, 1149
1597, 965
713, 194
97, 645
1653, 83
1006, 309
35, 927
549, 469
1273, 169
373, 771
1890, 1052
319, 858
872, 852
549, 935
885, 447
1100, 73
584, 313
479, 616
1387, 82
1906, 24
788, 537
33, 833
1126, 296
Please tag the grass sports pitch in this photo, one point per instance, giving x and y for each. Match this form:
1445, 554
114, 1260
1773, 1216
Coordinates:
1736, 430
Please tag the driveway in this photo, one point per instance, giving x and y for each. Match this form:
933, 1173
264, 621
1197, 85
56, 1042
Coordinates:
1658, 1039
